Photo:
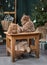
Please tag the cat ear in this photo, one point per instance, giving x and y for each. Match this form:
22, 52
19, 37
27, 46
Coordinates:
23, 14
23, 17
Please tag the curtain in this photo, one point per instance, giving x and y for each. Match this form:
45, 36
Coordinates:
24, 7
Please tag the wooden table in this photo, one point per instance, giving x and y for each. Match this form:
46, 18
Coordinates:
11, 42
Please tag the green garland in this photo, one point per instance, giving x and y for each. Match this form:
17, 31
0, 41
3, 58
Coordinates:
39, 13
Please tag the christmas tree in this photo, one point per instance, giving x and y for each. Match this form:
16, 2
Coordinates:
39, 13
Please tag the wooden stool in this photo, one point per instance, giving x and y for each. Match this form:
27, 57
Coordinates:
11, 42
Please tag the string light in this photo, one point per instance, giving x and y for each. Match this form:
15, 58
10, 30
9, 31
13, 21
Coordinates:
35, 7
34, 21
42, 9
13, 7
9, 4
6, 1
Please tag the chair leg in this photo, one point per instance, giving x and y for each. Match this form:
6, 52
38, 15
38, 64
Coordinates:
37, 54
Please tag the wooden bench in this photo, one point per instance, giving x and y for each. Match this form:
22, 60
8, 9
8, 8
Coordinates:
11, 42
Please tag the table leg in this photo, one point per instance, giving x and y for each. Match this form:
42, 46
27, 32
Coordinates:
7, 46
13, 49
37, 46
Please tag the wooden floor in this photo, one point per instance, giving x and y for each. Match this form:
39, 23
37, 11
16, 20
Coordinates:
28, 59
